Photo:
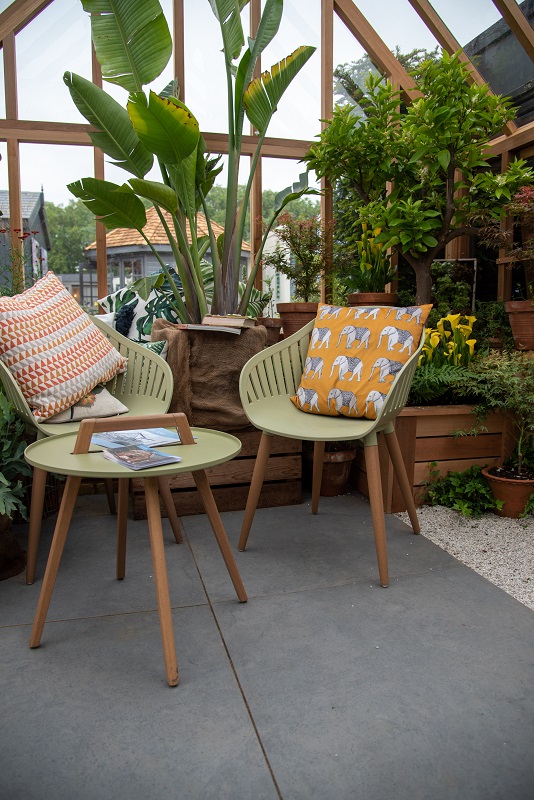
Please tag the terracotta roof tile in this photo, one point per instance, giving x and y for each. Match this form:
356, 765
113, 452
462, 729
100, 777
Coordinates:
155, 232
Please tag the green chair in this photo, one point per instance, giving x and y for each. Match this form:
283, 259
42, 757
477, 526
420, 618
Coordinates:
145, 388
269, 379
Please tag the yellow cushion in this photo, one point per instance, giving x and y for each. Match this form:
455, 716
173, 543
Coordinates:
353, 358
55, 352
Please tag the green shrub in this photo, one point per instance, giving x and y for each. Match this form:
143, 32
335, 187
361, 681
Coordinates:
467, 492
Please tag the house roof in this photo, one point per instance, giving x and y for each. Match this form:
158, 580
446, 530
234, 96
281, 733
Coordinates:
29, 201
155, 232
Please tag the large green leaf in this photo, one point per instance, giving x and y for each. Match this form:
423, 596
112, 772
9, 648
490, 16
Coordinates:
115, 206
115, 134
132, 40
294, 192
228, 13
157, 193
263, 94
164, 125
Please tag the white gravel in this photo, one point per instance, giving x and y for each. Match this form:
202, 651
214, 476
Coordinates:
500, 549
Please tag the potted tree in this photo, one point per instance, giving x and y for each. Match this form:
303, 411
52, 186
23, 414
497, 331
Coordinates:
396, 169
299, 255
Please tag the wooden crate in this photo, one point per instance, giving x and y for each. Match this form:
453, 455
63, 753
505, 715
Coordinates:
425, 435
230, 482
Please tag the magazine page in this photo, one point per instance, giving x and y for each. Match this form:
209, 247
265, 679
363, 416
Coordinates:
139, 456
150, 437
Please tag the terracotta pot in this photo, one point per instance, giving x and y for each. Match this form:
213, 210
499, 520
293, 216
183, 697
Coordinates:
372, 299
336, 469
514, 493
295, 316
274, 328
521, 313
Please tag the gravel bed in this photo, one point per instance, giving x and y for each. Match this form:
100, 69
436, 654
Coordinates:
500, 549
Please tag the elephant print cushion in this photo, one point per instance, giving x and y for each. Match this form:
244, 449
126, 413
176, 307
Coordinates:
354, 356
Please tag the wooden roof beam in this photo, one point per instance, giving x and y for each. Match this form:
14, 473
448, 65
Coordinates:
445, 38
519, 24
19, 14
378, 51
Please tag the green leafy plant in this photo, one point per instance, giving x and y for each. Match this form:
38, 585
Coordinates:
492, 325
446, 383
467, 492
300, 254
12, 445
420, 151
373, 270
133, 45
529, 507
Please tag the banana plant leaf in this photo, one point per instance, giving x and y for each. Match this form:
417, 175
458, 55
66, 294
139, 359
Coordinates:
132, 40
115, 134
116, 206
164, 125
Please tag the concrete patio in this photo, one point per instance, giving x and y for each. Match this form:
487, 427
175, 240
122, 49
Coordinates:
323, 685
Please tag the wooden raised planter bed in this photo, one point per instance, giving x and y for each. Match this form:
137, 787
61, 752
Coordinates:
230, 482
424, 434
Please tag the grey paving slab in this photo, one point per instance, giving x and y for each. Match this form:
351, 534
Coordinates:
422, 690
86, 583
290, 549
89, 715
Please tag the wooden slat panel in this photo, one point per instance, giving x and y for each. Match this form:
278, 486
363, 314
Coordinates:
228, 498
458, 465
437, 448
239, 470
444, 425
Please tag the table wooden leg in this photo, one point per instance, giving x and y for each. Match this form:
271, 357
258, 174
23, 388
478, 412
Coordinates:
214, 517
161, 581
122, 527
110, 494
36, 519
56, 549
170, 508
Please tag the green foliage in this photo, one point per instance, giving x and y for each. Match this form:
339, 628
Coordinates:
373, 269
133, 46
505, 382
467, 492
492, 322
12, 464
300, 254
72, 228
446, 383
451, 293
529, 508
418, 152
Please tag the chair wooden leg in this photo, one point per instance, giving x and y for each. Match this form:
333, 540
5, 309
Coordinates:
56, 549
318, 453
256, 483
402, 478
161, 581
108, 483
374, 481
170, 508
36, 518
122, 526
214, 517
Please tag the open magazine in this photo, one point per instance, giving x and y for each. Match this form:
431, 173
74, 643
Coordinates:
149, 437
139, 456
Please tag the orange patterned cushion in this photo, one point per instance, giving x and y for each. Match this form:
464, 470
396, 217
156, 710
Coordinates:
54, 351
354, 356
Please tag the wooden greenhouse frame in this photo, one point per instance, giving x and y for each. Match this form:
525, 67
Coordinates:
513, 141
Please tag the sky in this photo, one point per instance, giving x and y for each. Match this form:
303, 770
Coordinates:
58, 40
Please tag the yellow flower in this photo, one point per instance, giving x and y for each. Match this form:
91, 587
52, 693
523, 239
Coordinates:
454, 319
471, 344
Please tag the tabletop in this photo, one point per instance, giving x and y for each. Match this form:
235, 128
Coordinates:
54, 454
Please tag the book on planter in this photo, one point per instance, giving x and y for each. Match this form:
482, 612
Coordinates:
150, 437
189, 326
138, 456
228, 320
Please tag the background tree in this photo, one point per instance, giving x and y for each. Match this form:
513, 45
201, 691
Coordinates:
420, 152
71, 228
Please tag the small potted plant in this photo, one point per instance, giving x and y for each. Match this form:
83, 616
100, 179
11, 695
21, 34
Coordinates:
372, 274
505, 382
299, 255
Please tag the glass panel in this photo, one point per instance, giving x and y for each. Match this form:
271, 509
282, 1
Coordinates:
396, 22
299, 111
205, 76
347, 50
4, 4
51, 167
465, 26
58, 39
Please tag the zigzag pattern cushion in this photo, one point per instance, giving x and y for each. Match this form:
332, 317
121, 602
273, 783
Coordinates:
353, 357
54, 351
